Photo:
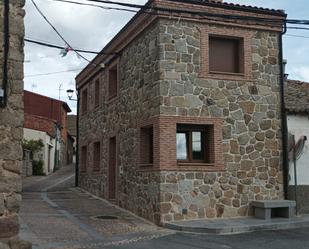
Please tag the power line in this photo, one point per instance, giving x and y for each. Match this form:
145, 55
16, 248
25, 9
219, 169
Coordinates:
57, 32
51, 73
142, 8
300, 36
59, 47
301, 28
150, 10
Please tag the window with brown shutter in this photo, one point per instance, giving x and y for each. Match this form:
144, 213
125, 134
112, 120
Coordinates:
195, 143
146, 145
226, 55
97, 93
83, 159
113, 81
84, 101
96, 156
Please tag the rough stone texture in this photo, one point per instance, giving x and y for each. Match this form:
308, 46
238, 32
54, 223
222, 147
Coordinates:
138, 191
11, 130
164, 79
252, 154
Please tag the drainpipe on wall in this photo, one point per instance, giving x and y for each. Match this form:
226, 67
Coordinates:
284, 126
77, 143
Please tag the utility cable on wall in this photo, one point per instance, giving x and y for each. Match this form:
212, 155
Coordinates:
6, 39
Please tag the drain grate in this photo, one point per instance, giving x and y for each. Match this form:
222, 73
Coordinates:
106, 217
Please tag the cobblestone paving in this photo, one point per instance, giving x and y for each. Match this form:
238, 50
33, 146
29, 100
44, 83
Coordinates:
58, 216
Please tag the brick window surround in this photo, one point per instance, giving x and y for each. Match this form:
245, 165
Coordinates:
97, 92
113, 80
164, 144
84, 101
96, 156
243, 36
84, 158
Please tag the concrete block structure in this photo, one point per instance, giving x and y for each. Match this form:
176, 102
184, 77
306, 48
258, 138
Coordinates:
180, 116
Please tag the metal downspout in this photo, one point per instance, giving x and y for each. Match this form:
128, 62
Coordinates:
284, 126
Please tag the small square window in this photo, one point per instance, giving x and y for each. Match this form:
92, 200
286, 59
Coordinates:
146, 145
97, 93
113, 81
195, 143
226, 55
84, 158
96, 156
84, 101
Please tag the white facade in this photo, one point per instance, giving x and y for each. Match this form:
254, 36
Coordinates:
298, 125
47, 154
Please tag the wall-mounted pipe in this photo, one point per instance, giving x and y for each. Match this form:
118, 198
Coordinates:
6, 47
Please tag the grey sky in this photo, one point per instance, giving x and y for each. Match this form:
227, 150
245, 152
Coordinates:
91, 28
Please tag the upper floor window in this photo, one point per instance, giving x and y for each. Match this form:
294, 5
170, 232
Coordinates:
84, 101
113, 81
97, 93
195, 143
226, 55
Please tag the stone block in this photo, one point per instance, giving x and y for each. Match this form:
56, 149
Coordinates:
9, 226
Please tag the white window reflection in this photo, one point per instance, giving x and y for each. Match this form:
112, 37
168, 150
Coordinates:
196, 141
181, 146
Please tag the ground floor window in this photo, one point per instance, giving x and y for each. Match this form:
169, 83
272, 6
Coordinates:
194, 143
146, 145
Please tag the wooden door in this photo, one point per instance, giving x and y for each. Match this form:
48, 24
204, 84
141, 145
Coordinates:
112, 169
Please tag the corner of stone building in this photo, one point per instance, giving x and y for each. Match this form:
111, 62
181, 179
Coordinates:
11, 132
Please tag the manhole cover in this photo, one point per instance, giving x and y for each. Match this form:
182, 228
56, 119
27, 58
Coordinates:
106, 217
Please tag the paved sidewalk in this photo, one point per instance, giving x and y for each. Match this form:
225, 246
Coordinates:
238, 225
54, 216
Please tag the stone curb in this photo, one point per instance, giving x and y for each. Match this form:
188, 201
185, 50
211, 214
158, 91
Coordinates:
225, 230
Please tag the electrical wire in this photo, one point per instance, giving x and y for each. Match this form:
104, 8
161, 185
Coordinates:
150, 10
61, 47
6, 41
299, 36
57, 32
52, 73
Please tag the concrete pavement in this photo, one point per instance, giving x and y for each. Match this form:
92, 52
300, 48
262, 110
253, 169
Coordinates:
56, 215
53, 215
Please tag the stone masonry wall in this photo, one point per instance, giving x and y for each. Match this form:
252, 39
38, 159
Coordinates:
11, 132
138, 99
250, 107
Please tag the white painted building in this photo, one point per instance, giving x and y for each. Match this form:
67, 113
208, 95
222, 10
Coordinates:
47, 154
297, 107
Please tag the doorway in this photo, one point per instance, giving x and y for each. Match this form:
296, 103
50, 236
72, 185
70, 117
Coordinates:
112, 169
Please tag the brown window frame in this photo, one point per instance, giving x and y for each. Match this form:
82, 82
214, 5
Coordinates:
97, 89
237, 43
113, 91
84, 101
84, 158
96, 155
207, 146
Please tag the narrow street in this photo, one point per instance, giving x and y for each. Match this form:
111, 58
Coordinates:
54, 214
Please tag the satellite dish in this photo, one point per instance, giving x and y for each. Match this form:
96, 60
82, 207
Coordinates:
298, 148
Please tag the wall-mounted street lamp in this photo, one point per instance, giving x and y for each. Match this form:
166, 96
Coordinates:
70, 93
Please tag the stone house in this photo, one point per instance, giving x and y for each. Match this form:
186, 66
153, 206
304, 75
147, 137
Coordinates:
45, 114
180, 115
297, 106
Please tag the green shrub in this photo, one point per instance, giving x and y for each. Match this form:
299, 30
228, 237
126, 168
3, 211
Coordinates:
38, 167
